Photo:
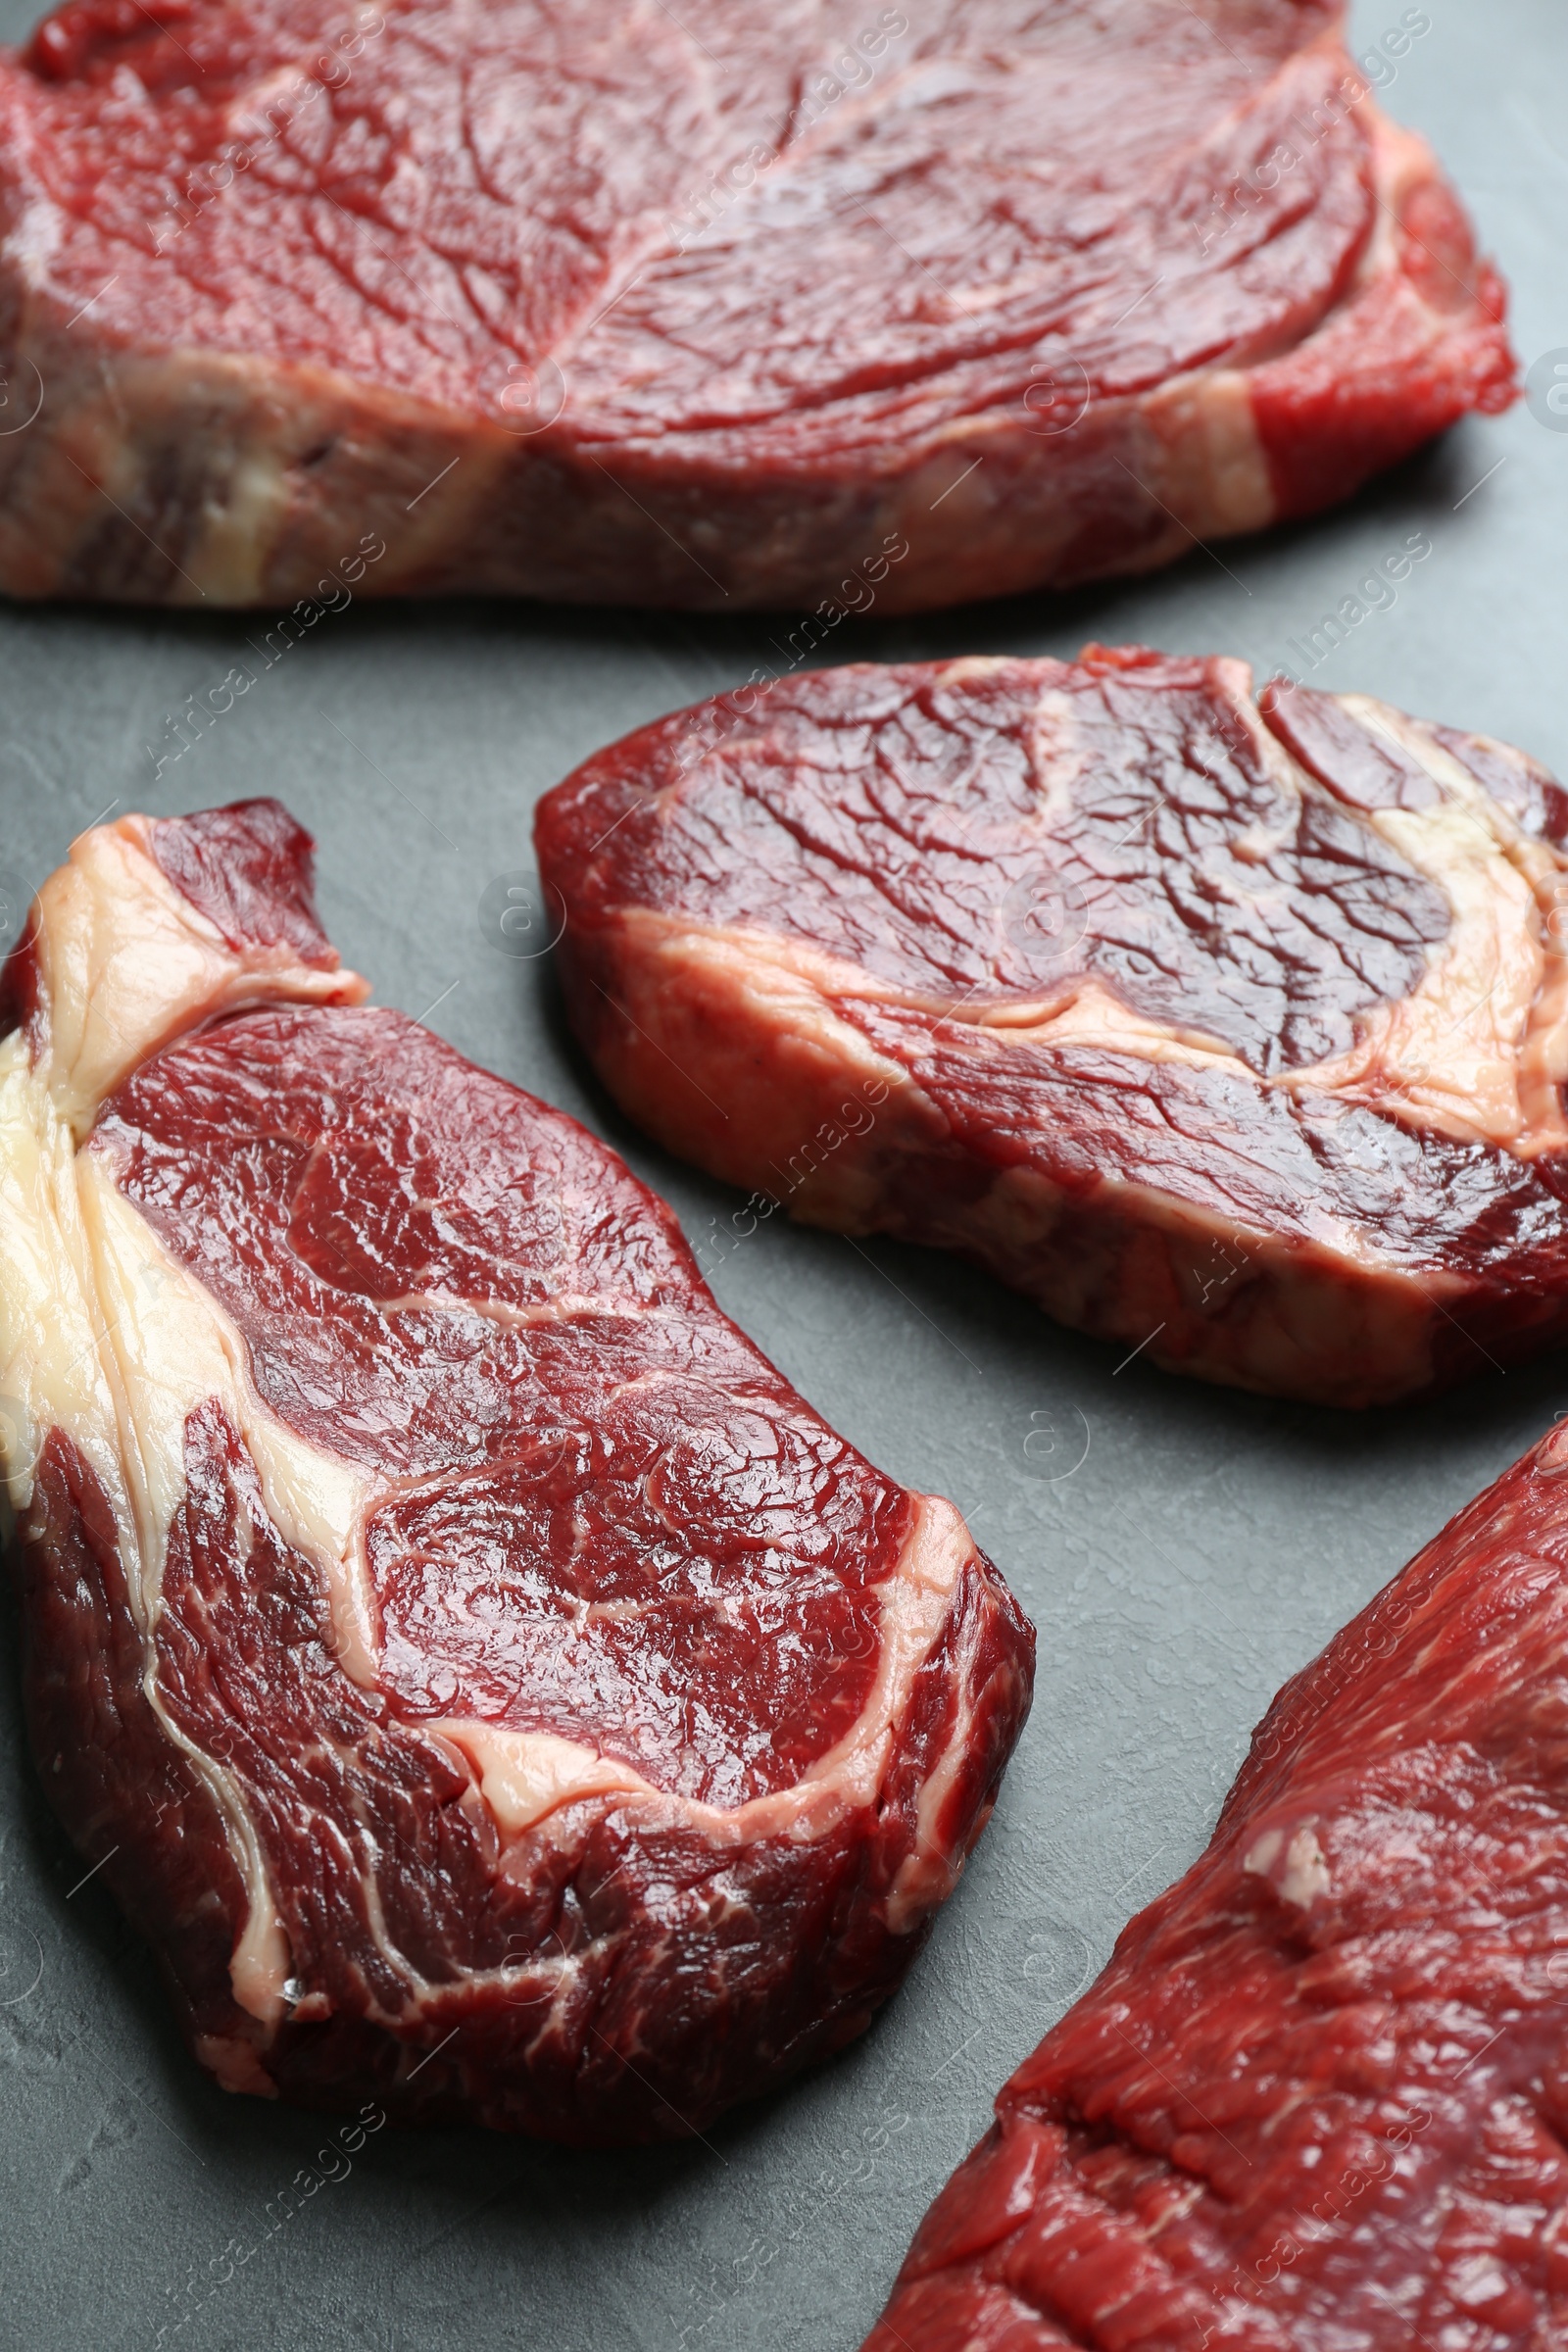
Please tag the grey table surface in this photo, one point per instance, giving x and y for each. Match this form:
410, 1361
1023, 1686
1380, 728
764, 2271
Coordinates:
1181, 1550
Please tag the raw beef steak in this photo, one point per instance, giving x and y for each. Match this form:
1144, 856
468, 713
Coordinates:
489, 1686
1231, 1032
1318, 2100
717, 306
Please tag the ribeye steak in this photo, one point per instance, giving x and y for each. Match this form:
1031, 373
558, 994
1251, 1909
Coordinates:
711, 306
1318, 2100
489, 1686
1232, 1031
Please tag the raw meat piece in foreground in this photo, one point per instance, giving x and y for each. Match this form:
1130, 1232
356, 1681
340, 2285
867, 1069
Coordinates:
720, 305
488, 1685
1318, 2100
1234, 1033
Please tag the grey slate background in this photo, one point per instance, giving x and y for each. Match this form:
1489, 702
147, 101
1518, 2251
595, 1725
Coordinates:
1181, 1550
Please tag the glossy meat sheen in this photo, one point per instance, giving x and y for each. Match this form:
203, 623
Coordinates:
1318, 2100
611, 1521
902, 822
1237, 1031
597, 302
491, 1687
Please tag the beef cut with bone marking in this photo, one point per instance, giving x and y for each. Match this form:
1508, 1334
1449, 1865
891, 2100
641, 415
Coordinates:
708, 306
488, 1685
1231, 1031
1318, 2100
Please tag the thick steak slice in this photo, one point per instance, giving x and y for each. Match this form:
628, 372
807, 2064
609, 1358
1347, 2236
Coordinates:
714, 307
490, 1686
1318, 2100
1231, 1032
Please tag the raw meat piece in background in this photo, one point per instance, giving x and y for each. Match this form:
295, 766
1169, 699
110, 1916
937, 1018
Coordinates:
708, 307
1233, 1033
1318, 2099
484, 1680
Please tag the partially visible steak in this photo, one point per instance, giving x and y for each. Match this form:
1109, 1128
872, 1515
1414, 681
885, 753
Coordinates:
714, 307
484, 1680
1229, 1031
1318, 2100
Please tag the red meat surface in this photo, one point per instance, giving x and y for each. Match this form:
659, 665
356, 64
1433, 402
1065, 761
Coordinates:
608, 1762
1318, 2100
719, 307
1232, 1031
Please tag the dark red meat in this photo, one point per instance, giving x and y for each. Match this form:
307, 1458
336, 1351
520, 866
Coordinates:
1231, 1032
493, 1689
1318, 2100
718, 307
